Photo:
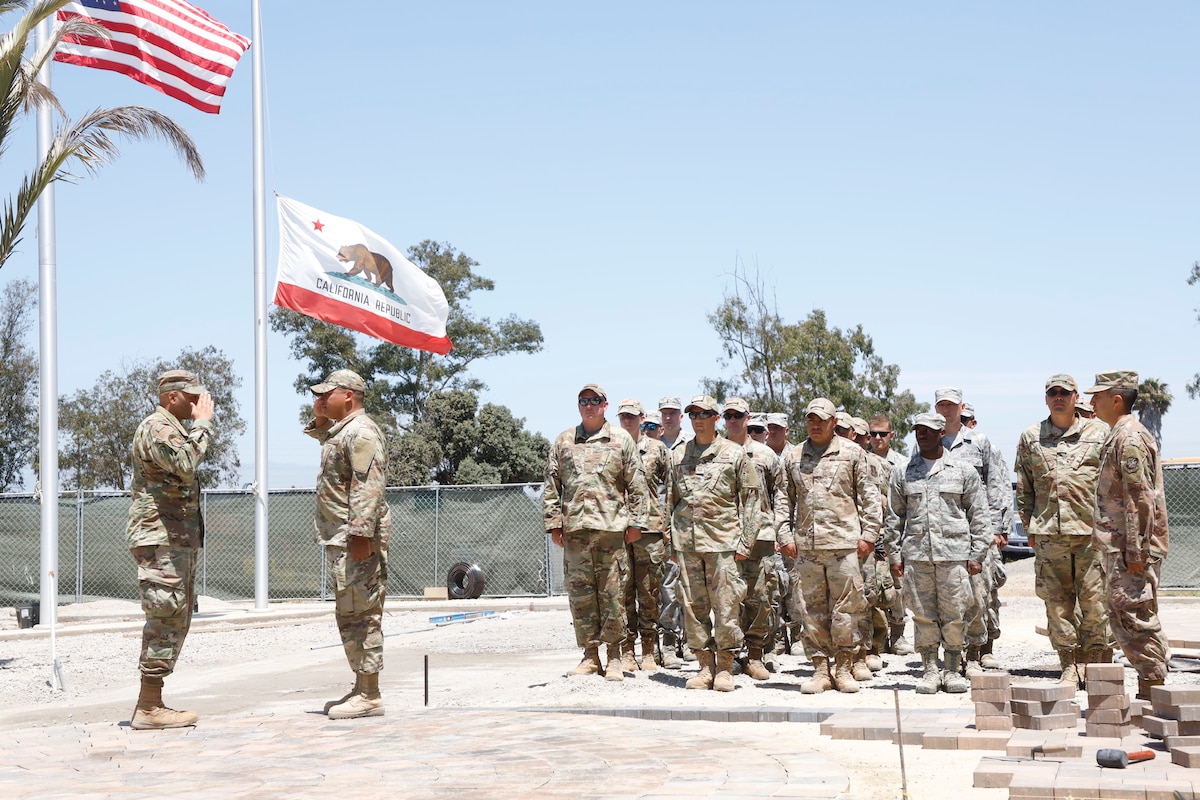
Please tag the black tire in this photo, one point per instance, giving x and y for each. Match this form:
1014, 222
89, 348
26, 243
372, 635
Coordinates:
464, 581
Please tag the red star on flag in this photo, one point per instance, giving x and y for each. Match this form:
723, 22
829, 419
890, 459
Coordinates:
318, 225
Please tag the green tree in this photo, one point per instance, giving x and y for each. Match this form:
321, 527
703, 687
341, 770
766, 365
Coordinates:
401, 380
96, 425
1153, 400
18, 383
780, 366
88, 142
459, 442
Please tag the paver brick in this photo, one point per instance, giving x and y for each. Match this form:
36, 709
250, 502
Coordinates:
1100, 730
1175, 695
1043, 692
991, 680
1109, 701
1048, 722
992, 774
1004, 723
992, 709
1104, 672
1186, 756
1108, 716
1038, 708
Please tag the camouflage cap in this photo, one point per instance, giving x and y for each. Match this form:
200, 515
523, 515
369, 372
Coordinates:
702, 402
860, 426
930, 420
777, 418
669, 402
736, 404
653, 417
1064, 380
594, 387
1084, 405
968, 411
758, 420
340, 379
843, 420
822, 407
179, 380
629, 406
1117, 379
951, 393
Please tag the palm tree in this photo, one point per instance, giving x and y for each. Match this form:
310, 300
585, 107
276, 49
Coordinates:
89, 142
1152, 402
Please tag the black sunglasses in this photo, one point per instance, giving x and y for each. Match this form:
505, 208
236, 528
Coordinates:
701, 414
735, 415
880, 434
1058, 392
590, 401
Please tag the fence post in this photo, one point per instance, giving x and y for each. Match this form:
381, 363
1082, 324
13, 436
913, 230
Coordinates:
204, 550
437, 515
79, 545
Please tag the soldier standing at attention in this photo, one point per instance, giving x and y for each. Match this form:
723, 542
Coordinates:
831, 518
594, 503
880, 428
1057, 464
757, 570
714, 524
974, 447
648, 555
937, 536
672, 433
757, 429
165, 534
1131, 527
777, 433
353, 522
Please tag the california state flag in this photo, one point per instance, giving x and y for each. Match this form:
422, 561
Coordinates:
337, 271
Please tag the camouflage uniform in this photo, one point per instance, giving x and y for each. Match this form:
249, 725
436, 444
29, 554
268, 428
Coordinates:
878, 588
827, 504
973, 446
352, 501
1056, 491
758, 570
1131, 527
715, 514
940, 520
595, 489
648, 555
166, 532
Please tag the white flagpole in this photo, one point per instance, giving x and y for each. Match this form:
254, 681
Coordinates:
48, 379
260, 320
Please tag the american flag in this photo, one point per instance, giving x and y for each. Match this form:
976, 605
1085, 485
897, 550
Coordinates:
168, 45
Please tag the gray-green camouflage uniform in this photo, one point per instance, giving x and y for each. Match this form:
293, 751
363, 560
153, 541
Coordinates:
648, 555
758, 570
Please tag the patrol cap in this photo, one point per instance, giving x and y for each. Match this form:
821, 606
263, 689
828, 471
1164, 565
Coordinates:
702, 402
968, 411
1084, 405
1062, 379
822, 407
736, 404
1117, 379
654, 417
930, 419
758, 420
777, 418
179, 380
595, 387
340, 379
669, 402
951, 393
843, 420
630, 406
860, 426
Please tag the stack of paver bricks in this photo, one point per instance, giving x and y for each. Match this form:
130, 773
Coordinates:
992, 695
1108, 704
1044, 707
1176, 720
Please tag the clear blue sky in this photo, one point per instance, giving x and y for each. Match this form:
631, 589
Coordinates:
997, 192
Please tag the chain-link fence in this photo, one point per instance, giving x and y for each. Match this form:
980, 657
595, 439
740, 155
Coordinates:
497, 527
1182, 485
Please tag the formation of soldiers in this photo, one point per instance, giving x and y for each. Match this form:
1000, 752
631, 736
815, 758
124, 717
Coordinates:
827, 545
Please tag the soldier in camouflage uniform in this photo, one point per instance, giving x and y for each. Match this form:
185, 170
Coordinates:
353, 523
165, 534
877, 578
594, 503
974, 447
830, 520
758, 569
648, 555
672, 434
880, 430
937, 536
1131, 527
714, 523
777, 434
1057, 464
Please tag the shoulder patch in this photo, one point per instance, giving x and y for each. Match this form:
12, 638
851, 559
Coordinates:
363, 453
1131, 464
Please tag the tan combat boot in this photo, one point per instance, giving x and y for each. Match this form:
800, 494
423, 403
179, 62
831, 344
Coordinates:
649, 644
755, 667
723, 680
953, 681
986, 659
843, 674
858, 665
1070, 670
900, 645
704, 678
150, 714
357, 688
931, 678
367, 703
1145, 685
612, 671
628, 656
590, 665
670, 658
973, 667
821, 681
